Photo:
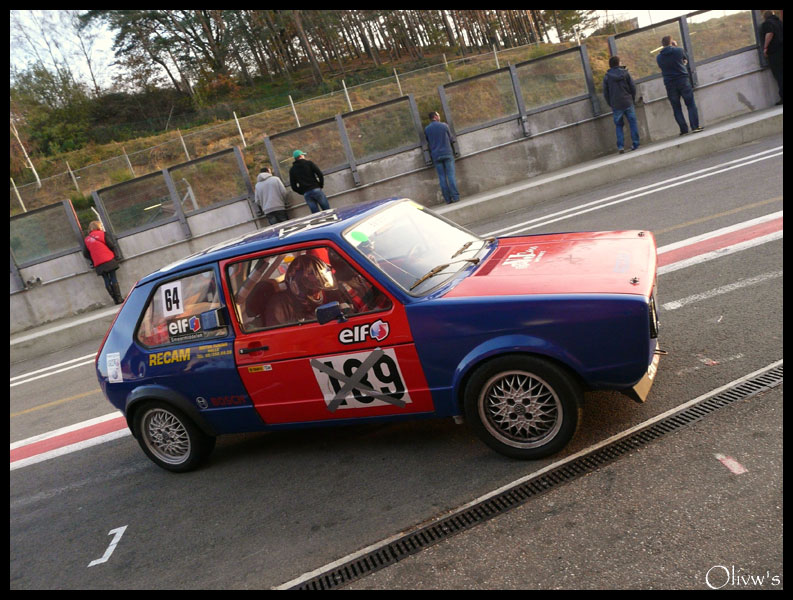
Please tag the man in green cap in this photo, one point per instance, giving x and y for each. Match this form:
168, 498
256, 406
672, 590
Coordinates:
306, 179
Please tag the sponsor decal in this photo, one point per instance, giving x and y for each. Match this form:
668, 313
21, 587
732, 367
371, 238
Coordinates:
259, 368
361, 380
227, 401
114, 374
169, 356
377, 331
185, 329
523, 260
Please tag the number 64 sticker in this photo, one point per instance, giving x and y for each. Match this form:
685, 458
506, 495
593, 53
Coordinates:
360, 380
171, 297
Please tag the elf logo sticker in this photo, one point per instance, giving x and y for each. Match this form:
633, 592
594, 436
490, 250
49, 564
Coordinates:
184, 329
378, 331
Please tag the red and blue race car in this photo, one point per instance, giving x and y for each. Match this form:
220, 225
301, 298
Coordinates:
377, 312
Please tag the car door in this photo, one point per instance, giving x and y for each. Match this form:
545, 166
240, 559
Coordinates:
295, 372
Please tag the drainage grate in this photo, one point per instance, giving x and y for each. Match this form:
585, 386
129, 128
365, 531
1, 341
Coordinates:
417, 540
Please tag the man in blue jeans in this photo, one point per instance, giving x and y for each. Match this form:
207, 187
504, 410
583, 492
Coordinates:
439, 138
620, 93
673, 63
307, 180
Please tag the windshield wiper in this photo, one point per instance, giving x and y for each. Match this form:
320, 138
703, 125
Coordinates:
467, 245
463, 249
435, 270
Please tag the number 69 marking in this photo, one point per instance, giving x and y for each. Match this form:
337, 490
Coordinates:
360, 380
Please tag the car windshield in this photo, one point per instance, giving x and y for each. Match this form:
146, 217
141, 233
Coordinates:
414, 247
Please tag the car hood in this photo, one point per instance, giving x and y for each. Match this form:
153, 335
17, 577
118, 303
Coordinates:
609, 262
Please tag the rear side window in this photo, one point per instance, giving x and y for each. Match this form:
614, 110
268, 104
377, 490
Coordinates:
182, 310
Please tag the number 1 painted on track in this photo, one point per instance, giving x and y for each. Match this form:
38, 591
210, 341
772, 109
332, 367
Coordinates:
118, 533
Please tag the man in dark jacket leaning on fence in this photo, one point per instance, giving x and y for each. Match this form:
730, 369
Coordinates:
307, 180
620, 93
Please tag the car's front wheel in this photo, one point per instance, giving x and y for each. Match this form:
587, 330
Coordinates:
170, 439
523, 406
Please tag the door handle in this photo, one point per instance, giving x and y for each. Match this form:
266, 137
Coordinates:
254, 349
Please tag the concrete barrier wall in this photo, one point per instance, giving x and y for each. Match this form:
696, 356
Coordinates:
490, 158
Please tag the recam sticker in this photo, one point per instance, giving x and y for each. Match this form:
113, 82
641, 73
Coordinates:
360, 380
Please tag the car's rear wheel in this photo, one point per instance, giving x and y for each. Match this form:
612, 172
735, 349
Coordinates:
523, 406
170, 439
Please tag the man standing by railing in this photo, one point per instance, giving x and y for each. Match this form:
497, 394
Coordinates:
771, 39
620, 93
673, 63
307, 180
439, 138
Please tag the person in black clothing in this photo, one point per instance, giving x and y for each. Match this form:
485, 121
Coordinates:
673, 63
620, 93
771, 38
307, 180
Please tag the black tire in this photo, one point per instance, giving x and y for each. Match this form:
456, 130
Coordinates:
523, 406
170, 439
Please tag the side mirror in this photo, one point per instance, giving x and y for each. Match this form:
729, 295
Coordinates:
329, 312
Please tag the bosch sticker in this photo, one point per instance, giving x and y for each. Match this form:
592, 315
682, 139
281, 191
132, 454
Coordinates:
378, 331
360, 380
114, 368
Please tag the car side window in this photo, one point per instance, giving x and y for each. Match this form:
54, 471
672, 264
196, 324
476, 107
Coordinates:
173, 315
285, 289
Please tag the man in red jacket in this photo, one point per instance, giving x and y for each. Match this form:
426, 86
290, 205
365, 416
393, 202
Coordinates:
100, 249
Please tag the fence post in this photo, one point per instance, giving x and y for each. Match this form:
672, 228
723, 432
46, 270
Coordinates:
495, 53
399, 85
177, 204
273, 157
186, 153
244, 145
692, 68
449, 119
294, 110
346, 95
414, 112
345, 140
757, 19
20, 283
74, 179
246, 177
446, 66
590, 79
105, 219
71, 216
16, 191
25, 152
523, 119
129, 163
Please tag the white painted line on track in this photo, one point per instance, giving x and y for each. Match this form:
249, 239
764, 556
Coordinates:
636, 193
724, 289
67, 362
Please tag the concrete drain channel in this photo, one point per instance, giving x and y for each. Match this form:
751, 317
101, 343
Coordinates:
445, 527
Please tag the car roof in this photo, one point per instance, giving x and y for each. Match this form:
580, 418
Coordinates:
316, 226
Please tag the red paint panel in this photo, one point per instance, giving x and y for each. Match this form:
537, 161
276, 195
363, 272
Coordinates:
570, 263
